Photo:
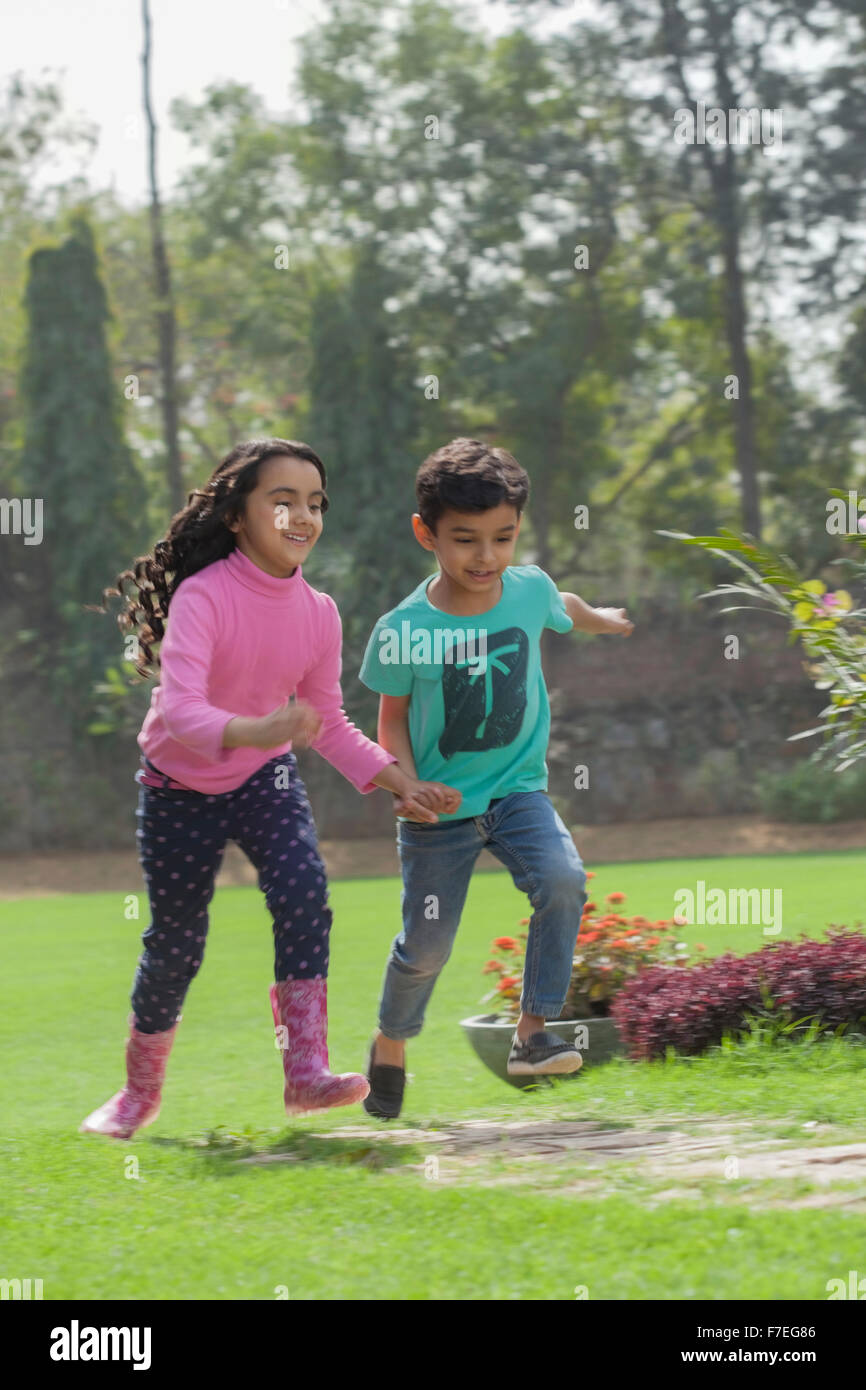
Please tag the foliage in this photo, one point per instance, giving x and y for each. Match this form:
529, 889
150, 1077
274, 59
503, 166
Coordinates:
790, 984
76, 460
364, 415
121, 701
809, 791
830, 629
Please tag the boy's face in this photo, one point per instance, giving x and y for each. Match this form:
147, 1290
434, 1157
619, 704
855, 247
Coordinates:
282, 518
473, 548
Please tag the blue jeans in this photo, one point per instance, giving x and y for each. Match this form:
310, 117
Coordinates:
524, 831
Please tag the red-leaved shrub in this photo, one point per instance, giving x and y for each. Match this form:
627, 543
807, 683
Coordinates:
692, 1009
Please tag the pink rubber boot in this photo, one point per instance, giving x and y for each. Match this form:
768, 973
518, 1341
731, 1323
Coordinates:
301, 1008
138, 1103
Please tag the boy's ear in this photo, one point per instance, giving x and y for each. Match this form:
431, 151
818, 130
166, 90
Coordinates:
423, 535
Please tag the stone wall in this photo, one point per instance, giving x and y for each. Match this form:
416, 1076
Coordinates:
663, 723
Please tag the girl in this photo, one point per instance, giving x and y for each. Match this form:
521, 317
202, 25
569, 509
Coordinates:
246, 633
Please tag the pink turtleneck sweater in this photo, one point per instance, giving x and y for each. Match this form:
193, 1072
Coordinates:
238, 641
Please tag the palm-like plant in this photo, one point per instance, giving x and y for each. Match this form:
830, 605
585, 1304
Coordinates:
831, 631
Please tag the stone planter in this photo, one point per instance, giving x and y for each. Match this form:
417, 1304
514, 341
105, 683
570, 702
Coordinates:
491, 1035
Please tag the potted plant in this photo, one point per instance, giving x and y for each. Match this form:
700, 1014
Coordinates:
611, 949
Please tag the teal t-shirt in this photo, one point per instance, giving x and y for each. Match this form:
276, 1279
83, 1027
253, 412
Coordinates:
479, 717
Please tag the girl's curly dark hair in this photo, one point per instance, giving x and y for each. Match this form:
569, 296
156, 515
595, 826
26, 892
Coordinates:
197, 536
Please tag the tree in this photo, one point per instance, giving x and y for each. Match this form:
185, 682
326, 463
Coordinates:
364, 419
75, 459
467, 165
761, 213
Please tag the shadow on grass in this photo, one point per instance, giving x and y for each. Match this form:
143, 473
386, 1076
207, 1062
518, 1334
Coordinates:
223, 1150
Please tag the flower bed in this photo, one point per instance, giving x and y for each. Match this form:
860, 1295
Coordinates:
611, 950
794, 983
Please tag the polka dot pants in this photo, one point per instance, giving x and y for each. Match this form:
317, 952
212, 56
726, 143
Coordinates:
181, 838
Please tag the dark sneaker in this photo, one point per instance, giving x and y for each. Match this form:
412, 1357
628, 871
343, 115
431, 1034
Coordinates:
542, 1054
387, 1084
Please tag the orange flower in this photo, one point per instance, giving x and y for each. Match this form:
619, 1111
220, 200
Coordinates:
589, 874
524, 921
589, 907
653, 940
587, 936
506, 943
632, 931
698, 947
491, 966
615, 898
507, 983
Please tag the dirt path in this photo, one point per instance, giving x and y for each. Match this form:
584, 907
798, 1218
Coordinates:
674, 1160
34, 875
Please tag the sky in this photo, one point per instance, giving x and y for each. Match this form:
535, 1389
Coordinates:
93, 49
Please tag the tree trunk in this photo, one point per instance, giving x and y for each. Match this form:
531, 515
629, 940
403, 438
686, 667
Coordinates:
165, 320
723, 181
725, 190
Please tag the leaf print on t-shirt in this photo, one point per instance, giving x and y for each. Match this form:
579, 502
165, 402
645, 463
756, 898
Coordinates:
484, 708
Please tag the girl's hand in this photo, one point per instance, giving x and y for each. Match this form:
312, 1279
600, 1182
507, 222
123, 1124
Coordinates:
439, 797
614, 620
421, 800
297, 721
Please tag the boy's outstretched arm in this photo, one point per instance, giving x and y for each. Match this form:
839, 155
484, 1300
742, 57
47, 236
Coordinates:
586, 619
393, 736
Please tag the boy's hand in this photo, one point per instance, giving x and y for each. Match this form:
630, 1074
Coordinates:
614, 620
422, 800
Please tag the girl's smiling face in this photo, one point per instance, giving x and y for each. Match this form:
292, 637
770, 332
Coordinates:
282, 518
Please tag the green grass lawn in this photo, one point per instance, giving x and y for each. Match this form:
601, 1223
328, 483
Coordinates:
343, 1218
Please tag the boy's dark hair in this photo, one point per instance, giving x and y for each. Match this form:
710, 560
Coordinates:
196, 537
468, 476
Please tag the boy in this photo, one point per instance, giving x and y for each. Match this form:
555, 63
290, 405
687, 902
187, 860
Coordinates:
463, 702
